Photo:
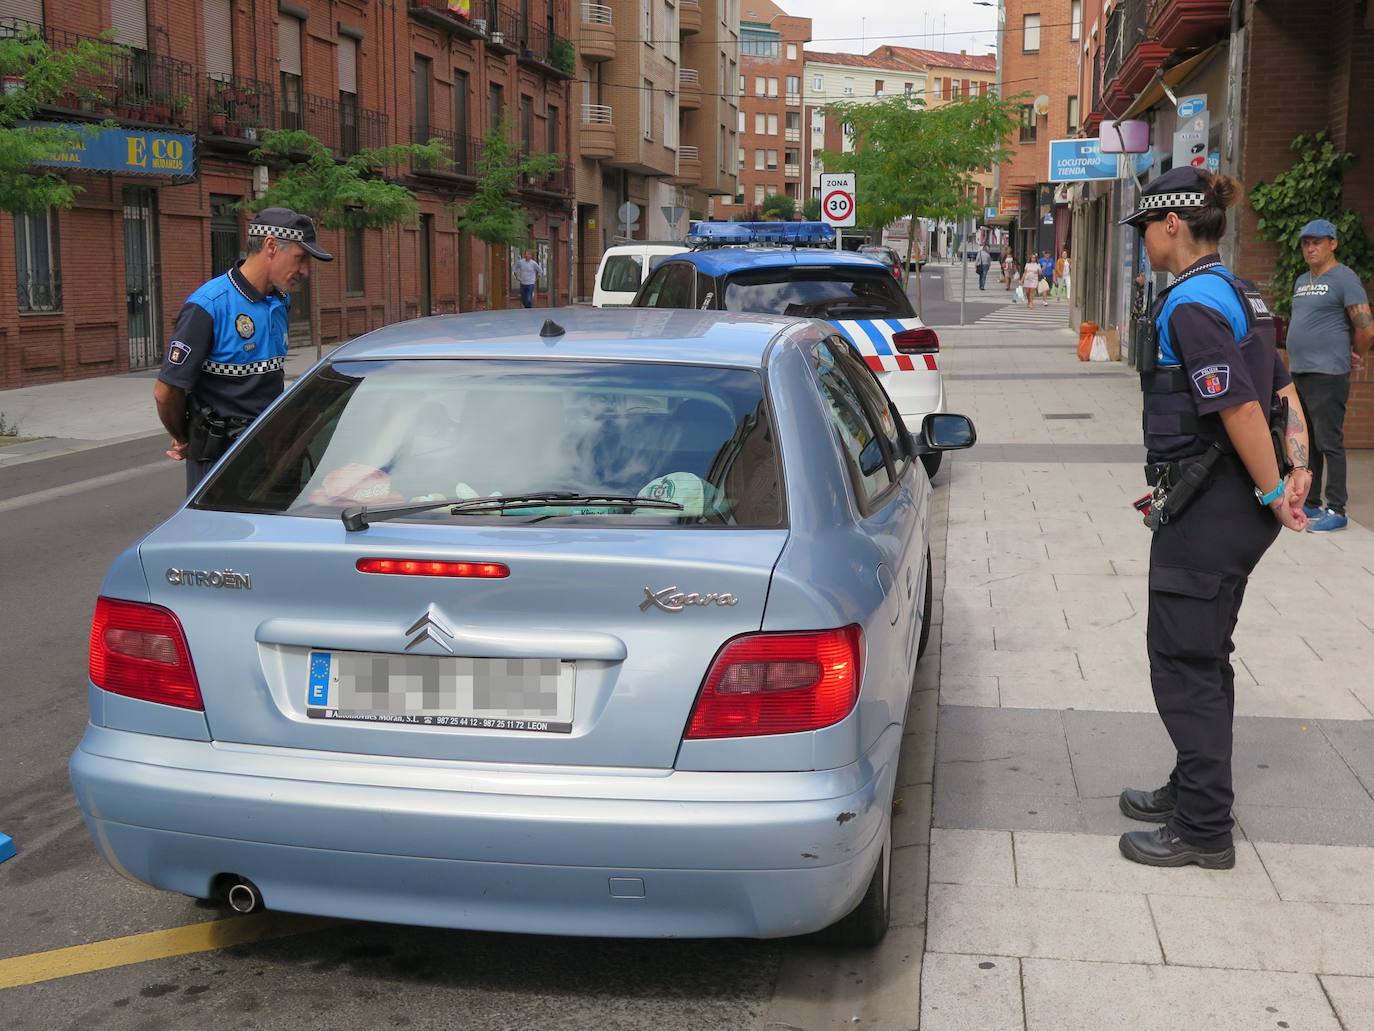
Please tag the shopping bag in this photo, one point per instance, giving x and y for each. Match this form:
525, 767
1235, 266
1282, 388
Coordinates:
1086, 332
1043, 288
1020, 294
1099, 351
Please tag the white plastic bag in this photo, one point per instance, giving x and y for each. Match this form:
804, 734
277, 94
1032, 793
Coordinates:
1020, 294
1099, 351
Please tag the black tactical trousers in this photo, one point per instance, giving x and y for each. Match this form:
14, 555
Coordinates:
1199, 565
1324, 399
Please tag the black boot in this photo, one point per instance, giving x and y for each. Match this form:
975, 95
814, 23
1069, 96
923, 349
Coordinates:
1150, 806
1163, 847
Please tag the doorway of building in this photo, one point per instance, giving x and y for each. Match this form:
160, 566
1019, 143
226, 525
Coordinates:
426, 273
140, 276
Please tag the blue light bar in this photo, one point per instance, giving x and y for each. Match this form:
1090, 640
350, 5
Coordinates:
789, 234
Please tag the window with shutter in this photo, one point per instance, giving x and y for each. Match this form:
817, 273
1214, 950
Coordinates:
30, 11
219, 38
130, 21
288, 41
348, 65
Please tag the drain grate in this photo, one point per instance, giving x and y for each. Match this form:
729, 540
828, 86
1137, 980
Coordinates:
1069, 415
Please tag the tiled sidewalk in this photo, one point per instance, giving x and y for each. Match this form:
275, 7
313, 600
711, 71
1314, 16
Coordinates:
1035, 920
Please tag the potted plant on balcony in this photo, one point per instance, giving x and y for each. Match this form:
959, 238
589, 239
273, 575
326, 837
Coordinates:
180, 104
218, 118
159, 108
562, 56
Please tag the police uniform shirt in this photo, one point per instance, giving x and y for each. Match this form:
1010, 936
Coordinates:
1201, 326
228, 348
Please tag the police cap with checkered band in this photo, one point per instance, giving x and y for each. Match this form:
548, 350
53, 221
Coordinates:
289, 227
1178, 189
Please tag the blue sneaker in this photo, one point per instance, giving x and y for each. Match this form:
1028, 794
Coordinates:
1328, 523
1313, 511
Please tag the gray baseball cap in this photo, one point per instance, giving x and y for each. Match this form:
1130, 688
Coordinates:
1318, 227
291, 227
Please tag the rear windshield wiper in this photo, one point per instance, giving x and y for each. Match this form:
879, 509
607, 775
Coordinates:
359, 518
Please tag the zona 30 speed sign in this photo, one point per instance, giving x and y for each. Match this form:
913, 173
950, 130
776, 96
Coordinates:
837, 199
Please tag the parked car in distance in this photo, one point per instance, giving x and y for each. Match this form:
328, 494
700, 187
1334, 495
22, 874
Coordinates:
599, 625
624, 267
783, 268
886, 255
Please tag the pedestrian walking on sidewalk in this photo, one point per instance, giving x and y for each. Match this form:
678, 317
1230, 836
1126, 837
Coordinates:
226, 359
1208, 441
1061, 274
528, 271
1009, 269
1331, 331
1030, 280
982, 263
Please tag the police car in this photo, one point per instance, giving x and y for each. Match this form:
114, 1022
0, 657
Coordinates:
786, 268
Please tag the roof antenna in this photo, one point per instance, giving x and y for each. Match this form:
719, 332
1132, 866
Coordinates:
551, 329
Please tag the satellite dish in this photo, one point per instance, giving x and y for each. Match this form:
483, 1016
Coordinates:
1042, 104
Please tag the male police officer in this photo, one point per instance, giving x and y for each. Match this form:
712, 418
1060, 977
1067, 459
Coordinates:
225, 362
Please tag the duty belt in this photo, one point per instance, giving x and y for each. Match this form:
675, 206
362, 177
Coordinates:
1177, 483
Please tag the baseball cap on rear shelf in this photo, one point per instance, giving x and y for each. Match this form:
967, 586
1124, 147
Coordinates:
289, 227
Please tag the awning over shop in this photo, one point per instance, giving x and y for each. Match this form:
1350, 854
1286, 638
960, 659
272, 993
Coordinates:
127, 152
1153, 93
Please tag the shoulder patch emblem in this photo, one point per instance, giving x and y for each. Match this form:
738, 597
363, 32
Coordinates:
177, 352
244, 324
1213, 381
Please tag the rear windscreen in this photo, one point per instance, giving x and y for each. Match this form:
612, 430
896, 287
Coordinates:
388, 432
826, 293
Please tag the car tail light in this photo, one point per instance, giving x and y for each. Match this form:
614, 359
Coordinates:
916, 341
779, 684
140, 651
412, 567
896, 272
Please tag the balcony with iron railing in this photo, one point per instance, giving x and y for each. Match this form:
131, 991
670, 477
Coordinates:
236, 111
1131, 57
503, 27
689, 17
597, 134
689, 88
792, 171
342, 126
791, 135
460, 151
138, 86
449, 16
557, 182
546, 51
597, 39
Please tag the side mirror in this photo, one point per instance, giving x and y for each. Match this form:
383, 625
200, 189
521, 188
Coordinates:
941, 432
871, 457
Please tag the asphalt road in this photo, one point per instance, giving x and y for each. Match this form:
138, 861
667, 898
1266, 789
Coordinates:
938, 311
62, 520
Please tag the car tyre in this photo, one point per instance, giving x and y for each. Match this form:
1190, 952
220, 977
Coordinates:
866, 926
925, 609
932, 463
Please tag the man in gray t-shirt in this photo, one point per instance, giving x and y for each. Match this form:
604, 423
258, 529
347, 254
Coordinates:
1331, 327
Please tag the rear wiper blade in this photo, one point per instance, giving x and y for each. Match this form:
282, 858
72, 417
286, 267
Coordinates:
359, 518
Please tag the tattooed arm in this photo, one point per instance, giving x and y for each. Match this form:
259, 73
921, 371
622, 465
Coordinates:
1296, 440
1361, 330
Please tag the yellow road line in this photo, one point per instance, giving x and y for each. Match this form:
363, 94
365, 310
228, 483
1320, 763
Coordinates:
140, 948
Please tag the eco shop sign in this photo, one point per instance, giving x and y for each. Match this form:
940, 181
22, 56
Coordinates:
130, 151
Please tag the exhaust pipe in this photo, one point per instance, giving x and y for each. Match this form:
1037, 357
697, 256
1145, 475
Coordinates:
244, 897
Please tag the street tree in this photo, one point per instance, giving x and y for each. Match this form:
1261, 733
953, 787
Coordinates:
811, 210
36, 74
779, 206
493, 215
911, 160
349, 194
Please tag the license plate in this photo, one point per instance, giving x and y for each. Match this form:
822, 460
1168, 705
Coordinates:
443, 691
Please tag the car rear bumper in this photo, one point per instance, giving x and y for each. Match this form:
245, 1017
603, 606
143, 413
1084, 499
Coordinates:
916, 395
584, 852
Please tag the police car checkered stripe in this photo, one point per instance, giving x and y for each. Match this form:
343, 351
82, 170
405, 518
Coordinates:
248, 369
872, 338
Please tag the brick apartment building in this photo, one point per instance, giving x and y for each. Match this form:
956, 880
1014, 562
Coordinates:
1040, 42
1268, 72
658, 114
774, 151
98, 286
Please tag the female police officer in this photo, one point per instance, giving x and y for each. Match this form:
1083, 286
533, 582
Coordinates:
1220, 500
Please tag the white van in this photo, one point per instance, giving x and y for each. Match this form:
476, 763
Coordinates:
624, 267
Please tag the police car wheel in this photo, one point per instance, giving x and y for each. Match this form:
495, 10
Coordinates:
932, 463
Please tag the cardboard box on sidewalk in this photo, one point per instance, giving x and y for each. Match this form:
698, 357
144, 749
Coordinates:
1113, 338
